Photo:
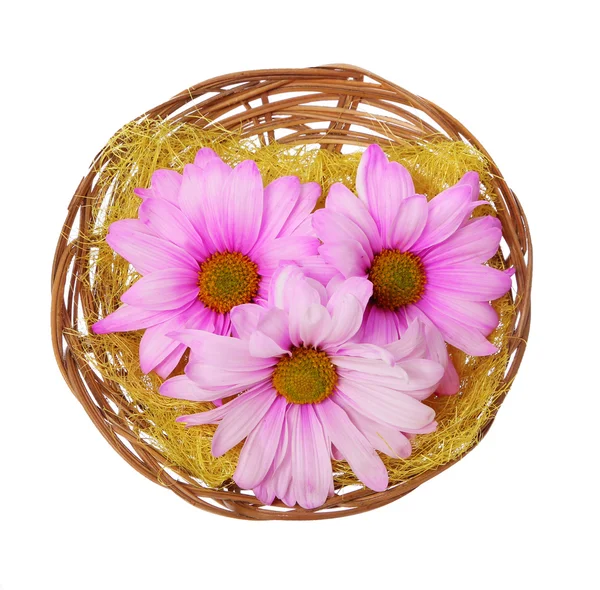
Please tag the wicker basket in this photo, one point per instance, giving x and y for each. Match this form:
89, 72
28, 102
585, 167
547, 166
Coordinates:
331, 106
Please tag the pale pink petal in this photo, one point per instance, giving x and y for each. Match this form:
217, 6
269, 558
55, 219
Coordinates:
346, 305
274, 324
266, 491
341, 200
182, 387
385, 405
261, 346
230, 354
309, 195
348, 257
450, 383
409, 223
280, 196
283, 283
366, 351
146, 252
245, 318
413, 343
243, 207
382, 437
332, 227
311, 466
165, 184
302, 296
170, 362
470, 281
242, 418
128, 318
214, 377
258, 452
446, 213
362, 457
163, 289
314, 325
476, 242
317, 268
168, 222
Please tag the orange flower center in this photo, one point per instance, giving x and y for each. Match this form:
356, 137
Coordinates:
306, 377
398, 279
227, 279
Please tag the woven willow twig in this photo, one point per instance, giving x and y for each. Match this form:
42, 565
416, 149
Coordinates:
331, 106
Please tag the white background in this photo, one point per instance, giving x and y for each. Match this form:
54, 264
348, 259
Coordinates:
521, 511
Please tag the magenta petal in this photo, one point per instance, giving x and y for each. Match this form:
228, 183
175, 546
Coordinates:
311, 465
465, 337
280, 197
258, 452
332, 227
476, 242
380, 326
309, 195
182, 387
287, 249
471, 179
243, 207
168, 222
446, 213
165, 184
146, 252
163, 289
202, 200
470, 281
409, 223
241, 419
156, 346
363, 459
341, 200
204, 156
450, 383
128, 318
347, 256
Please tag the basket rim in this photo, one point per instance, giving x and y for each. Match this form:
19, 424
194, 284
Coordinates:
350, 86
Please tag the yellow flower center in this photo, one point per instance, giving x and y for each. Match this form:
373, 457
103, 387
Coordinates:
306, 377
227, 279
398, 279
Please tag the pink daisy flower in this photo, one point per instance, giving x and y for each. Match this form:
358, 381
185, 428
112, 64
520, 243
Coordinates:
307, 392
423, 259
204, 242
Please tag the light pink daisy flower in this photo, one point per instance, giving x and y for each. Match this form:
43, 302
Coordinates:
307, 392
205, 241
424, 259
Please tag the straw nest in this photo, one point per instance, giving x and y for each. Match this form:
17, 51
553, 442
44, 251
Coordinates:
310, 123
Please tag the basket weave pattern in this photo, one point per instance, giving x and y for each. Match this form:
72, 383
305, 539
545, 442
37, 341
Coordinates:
331, 107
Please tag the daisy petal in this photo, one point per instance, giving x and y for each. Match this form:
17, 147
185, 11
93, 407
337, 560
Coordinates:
348, 257
279, 199
446, 213
241, 419
409, 223
311, 466
128, 317
165, 184
363, 459
258, 452
243, 208
163, 289
332, 227
145, 251
470, 281
309, 195
182, 387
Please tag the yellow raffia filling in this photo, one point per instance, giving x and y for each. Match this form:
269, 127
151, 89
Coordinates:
142, 147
